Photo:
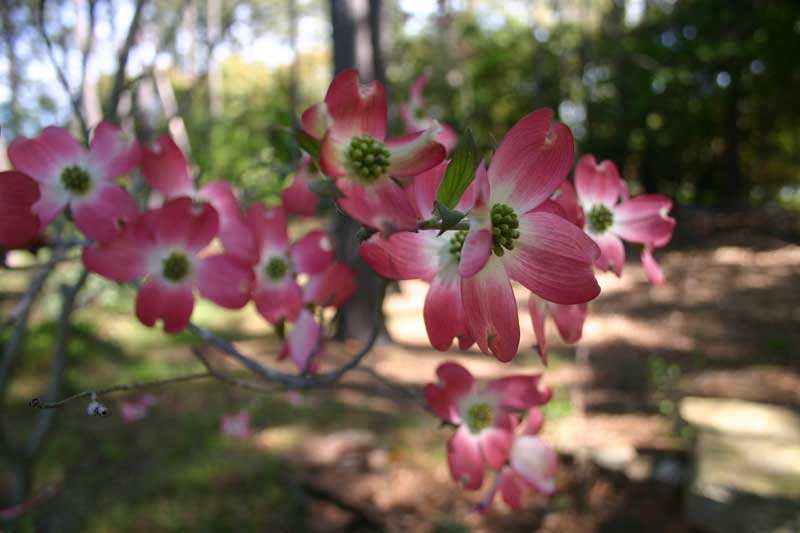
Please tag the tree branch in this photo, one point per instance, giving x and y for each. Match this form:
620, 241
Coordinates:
37, 403
75, 100
122, 63
292, 381
45, 420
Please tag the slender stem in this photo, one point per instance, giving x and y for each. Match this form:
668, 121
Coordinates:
75, 99
427, 224
36, 402
122, 62
19, 316
292, 381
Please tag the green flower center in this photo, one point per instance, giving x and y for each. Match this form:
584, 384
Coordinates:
457, 243
367, 158
75, 180
504, 228
175, 267
480, 416
600, 218
276, 268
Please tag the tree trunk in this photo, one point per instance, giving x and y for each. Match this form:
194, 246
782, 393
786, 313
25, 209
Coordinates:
356, 29
735, 191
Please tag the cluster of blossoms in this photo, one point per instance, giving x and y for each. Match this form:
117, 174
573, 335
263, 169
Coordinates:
195, 240
514, 219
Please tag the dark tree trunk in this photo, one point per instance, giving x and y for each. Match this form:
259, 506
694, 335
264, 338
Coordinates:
356, 31
735, 191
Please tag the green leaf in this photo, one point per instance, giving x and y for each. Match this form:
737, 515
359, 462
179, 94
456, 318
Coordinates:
460, 172
308, 144
449, 218
327, 188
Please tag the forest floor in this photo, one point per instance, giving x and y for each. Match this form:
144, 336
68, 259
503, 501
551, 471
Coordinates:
367, 458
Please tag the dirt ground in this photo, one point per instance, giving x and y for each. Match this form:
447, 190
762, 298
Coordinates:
723, 326
366, 457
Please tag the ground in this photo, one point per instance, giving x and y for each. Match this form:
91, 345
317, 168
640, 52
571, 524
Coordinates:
367, 458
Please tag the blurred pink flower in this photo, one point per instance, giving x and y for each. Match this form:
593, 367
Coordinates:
484, 417
414, 119
532, 466
236, 425
612, 216
70, 176
163, 247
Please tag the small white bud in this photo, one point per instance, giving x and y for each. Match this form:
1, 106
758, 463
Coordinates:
96, 408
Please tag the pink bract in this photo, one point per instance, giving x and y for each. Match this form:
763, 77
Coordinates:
298, 198
425, 255
568, 319
69, 175
166, 170
18, 223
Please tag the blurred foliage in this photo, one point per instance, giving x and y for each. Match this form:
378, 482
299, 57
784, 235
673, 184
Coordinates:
691, 102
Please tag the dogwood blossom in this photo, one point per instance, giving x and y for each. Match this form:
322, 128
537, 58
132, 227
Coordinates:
351, 124
517, 233
484, 416
162, 248
69, 175
612, 216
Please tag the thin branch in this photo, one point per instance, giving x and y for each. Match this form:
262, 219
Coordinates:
411, 394
292, 381
75, 100
45, 420
230, 380
19, 316
37, 403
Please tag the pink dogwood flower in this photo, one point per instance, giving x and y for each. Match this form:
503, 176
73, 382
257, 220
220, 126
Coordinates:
517, 233
611, 216
412, 114
298, 198
69, 175
18, 223
484, 417
236, 425
351, 123
430, 257
261, 243
532, 466
166, 170
163, 247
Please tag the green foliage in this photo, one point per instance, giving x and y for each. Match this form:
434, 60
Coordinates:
691, 102
460, 172
308, 144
